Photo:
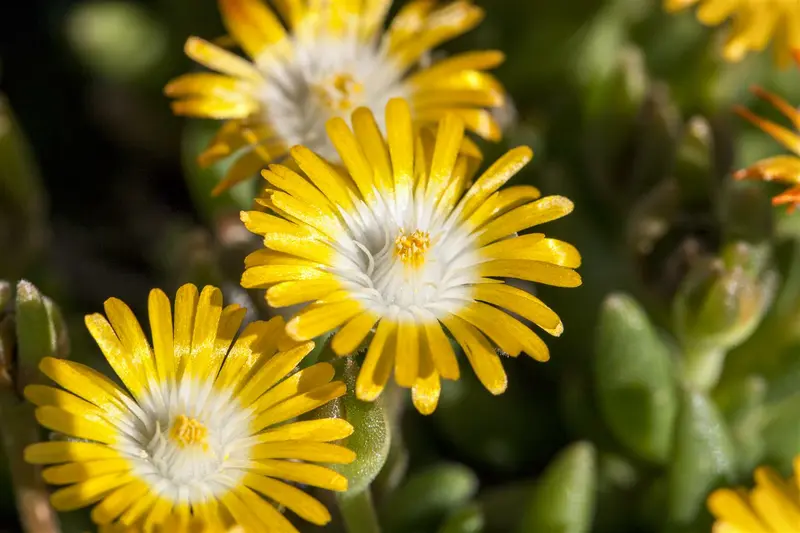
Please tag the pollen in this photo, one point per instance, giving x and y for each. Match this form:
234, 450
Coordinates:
188, 432
339, 92
411, 248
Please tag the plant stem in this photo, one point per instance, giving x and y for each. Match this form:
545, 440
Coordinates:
19, 429
358, 512
702, 368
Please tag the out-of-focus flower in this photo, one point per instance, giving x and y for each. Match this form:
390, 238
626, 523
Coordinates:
772, 506
782, 168
404, 245
328, 59
175, 524
202, 431
754, 23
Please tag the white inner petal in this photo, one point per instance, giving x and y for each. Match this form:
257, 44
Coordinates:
375, 274
182, 470
322, 77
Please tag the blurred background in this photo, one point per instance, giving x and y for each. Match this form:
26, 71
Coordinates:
653, 397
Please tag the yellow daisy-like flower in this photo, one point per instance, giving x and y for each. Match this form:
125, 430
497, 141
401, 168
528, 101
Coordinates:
402, 246
772, 506
205, 430
754, 23
325, 60
782, 168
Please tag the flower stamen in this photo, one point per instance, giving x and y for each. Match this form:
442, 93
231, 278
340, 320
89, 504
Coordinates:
188, 432
339, 91
411, 248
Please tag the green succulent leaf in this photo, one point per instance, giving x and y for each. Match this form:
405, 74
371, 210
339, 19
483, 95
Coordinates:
635, 379
564, 498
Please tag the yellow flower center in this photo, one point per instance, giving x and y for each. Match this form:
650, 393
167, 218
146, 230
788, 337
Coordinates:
339, 91
411, 248
188, 431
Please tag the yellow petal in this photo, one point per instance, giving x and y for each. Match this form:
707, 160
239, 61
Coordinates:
400, 137
448, 144
352, 155
534, 247
352, 334
263, 276
378, 363
323, 176
318, 320
290, 181
300, 404
259, 338
298, 383
440, 349
406, 361
318, 452
371, 140
786, 137
477, 60
322, 430
541, 211
88, 492
481, 355
216, 58
292, 498
505, 330
66, 451
728, 505
252, 24
118, 501
78, 472
216, 108
275, 369
501, 202
126, 365
479, 121
426, 390
520, 302
160, 313
307, 474
294, 292
535, 271
76, 426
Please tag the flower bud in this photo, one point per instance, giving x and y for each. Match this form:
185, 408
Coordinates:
372, 436
719, 304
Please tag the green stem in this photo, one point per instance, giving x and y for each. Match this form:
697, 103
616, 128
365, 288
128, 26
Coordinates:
702, 367
358, 512
19, 429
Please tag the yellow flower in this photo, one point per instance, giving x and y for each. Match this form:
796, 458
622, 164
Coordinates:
773, 506
753, 24
204, 431
403, 245
782, 168
325, 60
174, 524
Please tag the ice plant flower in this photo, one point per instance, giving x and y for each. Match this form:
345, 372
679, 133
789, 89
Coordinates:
204, 432
754, 23
402, 246
781, 168
323, 61
772, 506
